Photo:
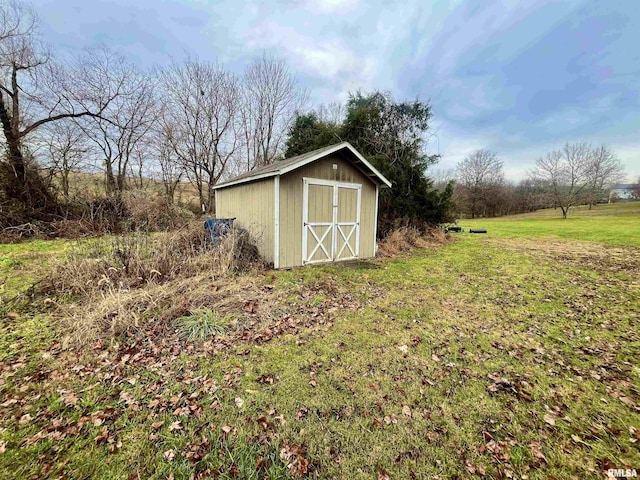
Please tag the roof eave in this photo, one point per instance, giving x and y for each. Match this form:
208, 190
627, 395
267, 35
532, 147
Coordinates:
382, 179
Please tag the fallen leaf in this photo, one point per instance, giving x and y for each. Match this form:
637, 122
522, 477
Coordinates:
406, 410
175, 426
627, 401
69, 398
239, 402
549, 419
382, 475
403, 348
169, 455
157, 425
536, 450
26, 418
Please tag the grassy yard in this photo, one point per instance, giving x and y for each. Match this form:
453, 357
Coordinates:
614, 224
507, 355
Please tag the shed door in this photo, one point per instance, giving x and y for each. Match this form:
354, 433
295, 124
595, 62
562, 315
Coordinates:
347, 223
331, 220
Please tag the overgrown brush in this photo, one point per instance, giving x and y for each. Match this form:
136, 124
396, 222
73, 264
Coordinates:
115, 313
405, 239
137, 259
119, 284
81, 217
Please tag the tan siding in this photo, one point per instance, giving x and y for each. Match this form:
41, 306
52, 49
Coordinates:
347, 212
291, 206
253, 206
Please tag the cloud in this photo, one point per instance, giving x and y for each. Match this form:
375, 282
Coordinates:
333, 6
517, 77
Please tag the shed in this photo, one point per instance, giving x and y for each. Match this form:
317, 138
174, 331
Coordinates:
321, 206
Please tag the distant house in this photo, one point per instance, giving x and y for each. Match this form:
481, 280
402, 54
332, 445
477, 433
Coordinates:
624, 191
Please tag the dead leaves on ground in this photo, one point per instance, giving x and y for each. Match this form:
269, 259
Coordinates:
293, 457
500, 384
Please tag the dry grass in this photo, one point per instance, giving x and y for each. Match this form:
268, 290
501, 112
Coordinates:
406, 239
83, 217
119, 285
140, 259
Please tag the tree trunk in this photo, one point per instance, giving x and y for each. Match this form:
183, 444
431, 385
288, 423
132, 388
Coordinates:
24, 183
564, 212
65, 183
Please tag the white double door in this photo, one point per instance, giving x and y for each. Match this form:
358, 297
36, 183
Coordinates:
331, 220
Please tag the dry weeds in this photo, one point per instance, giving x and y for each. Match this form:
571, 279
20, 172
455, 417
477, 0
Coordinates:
140, 259
118, 286
405, 239
139, 284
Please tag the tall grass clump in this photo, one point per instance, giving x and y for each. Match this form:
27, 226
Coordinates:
201, 324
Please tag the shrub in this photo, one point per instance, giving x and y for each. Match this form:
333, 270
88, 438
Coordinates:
90, 217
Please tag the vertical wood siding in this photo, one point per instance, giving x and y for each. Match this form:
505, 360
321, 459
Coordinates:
347, 212
253, 206
291, 206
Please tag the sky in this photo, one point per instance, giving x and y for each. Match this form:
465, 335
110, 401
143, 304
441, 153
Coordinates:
517, 77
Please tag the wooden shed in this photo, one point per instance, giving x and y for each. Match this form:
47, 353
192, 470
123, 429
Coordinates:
321, 206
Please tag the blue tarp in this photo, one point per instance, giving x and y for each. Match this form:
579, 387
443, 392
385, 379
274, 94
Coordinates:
218, 227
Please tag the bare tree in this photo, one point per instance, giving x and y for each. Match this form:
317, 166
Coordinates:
171, 168
35, 91
477, 175
605, 169
200, 120
67, 151
332, 113
120, 131
271, 98
442, 177
566, 173
635, 190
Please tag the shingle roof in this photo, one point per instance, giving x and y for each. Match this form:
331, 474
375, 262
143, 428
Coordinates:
624, 186
285, 166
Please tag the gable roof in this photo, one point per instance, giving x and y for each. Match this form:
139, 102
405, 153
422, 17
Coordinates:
293, 163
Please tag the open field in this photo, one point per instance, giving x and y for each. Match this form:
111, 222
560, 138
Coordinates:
507, 355
614, 224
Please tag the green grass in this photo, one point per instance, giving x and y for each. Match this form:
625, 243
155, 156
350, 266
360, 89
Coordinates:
615, 224
202, 324
22, 264
398, 384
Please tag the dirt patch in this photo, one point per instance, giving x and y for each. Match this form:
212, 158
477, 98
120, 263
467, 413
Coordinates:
594, 256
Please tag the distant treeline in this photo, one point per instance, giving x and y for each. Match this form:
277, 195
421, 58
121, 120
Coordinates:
576, 174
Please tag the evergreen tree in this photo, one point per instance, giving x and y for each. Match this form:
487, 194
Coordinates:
309, 133
390, 135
